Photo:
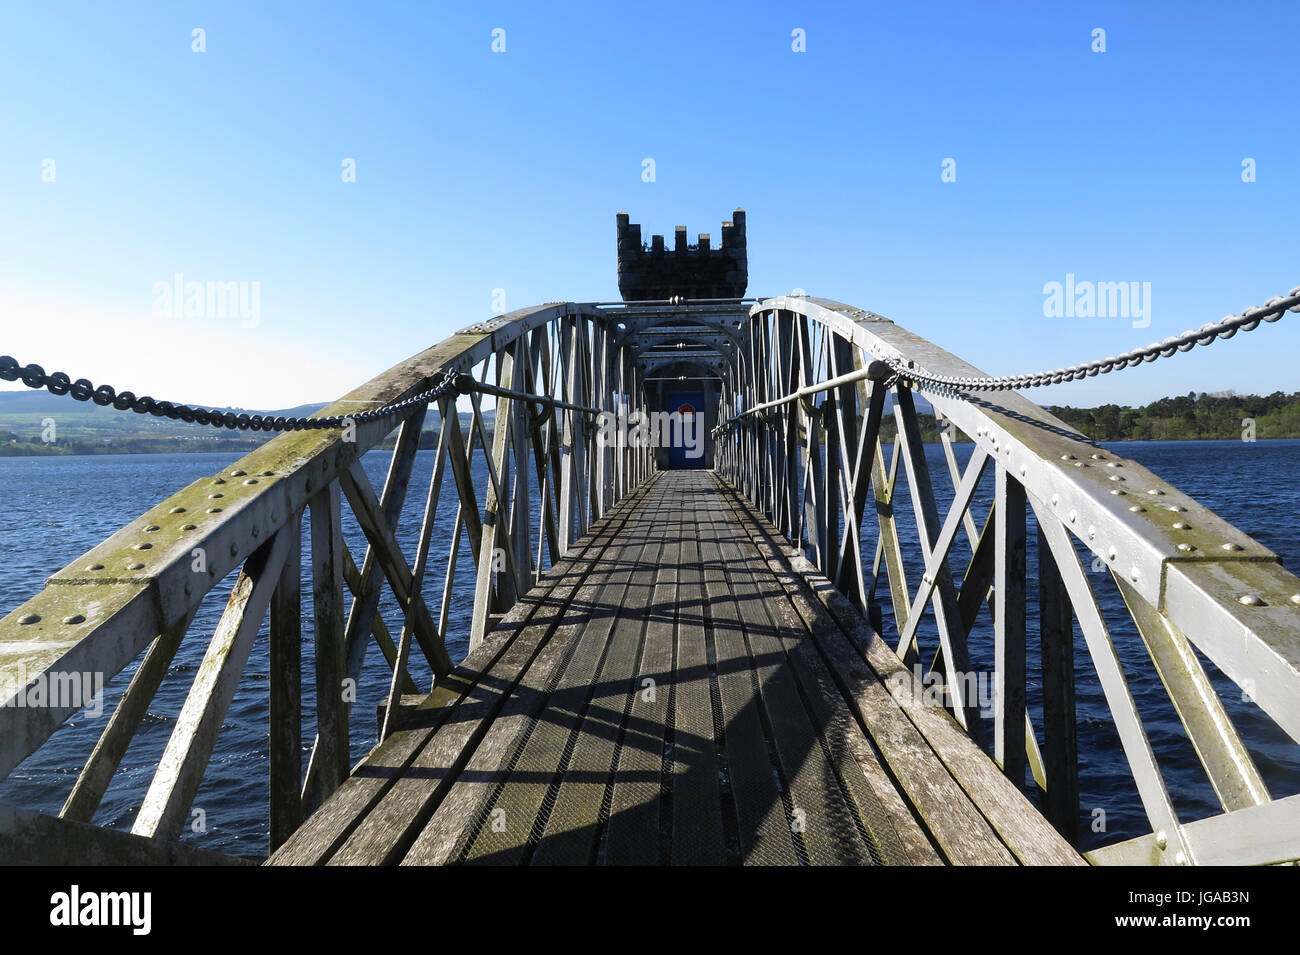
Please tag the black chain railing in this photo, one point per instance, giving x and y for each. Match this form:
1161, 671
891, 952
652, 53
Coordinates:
1208, 333
58, 383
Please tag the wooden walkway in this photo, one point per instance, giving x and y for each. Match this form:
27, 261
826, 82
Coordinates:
675, 692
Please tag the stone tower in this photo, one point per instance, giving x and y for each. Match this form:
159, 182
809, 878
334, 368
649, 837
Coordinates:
692, 271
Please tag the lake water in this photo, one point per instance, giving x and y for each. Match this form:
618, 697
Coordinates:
59, 507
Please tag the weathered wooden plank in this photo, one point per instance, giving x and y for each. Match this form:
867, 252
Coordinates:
527, 789
820, 818
896, 841
632, 834
389, 829
321, 835
1016, 821
1011, 815
763, 827
468, 803
573, 826
958, 828
406, 808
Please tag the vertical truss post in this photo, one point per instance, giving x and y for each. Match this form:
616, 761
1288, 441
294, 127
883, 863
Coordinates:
285, 705
1009, 626
1061, 753
327, 596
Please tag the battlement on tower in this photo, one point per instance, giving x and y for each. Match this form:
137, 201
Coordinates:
648, 273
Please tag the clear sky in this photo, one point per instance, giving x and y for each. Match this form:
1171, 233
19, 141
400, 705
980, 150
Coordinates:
478, 170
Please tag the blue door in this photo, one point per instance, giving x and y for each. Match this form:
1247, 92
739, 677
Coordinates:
686, 453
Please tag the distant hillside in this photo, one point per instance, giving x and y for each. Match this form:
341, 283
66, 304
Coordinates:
80, 427
42, 402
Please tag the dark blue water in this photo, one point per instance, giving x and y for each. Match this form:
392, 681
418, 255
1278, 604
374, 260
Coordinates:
57, 508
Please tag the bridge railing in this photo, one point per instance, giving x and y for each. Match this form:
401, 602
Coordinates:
805, 401
550, 370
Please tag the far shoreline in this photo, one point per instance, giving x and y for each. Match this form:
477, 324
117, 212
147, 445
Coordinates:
388, 447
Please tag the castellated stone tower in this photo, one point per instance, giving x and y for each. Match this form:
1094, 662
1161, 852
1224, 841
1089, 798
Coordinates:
693, 271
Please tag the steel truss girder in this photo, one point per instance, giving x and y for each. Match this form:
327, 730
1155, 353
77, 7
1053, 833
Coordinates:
698, 320
103, 609
716, 365
1197, 575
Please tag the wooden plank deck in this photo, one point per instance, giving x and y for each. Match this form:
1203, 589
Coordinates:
677, 691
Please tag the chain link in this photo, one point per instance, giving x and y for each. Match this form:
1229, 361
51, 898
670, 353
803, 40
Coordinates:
34, 376
1225, 328
58, 383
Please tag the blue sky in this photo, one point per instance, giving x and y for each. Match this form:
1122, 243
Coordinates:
478, 170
